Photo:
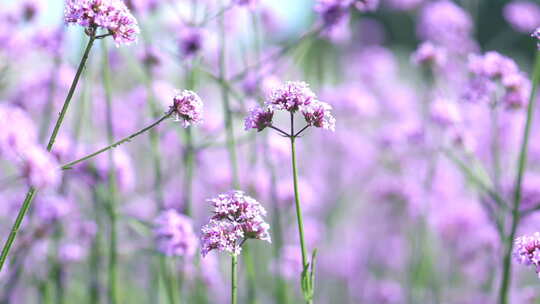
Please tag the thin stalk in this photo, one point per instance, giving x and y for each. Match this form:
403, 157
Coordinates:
117, 143
113, 258
168, 280
189, 155
32, 191
522, 162
234, 279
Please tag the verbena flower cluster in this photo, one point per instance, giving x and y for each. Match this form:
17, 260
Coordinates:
292, 97
493, 70
174, 234
527, 250
237, 217
187, 108
110, 15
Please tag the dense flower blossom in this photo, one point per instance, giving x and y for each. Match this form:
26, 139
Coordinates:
292, 97
444, 112
523, 16
317, 114
187, 107
527, 250
429, 54
237, 217
259, 119
174, 234
18, 132
492, 70
110, 15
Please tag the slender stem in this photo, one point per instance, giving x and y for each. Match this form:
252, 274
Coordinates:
168, 280
117, 143
302, 130
234, 279
32, 191
188, 171
281, 131
522, 162
113, 257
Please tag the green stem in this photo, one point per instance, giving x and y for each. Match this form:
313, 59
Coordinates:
113, 257
522, 162
117, 143
168, 280
234, 279
188, 178
32, 191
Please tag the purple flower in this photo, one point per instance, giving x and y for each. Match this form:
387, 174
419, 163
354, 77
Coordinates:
446, 23
18, 132
237, 217
332, 11
40, 168
317, 114
291, 96
259, 119
110, 15
174, 234
445, 112
429, 54
523, 16
527, 250
187, 107
536, 34
191, 41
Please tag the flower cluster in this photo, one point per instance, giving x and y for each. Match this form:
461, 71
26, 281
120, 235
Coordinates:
188, 108
237, 217
527, 250
292, 97
523, 16
332, 11
174, 234
110, 15
492, 69
429, 54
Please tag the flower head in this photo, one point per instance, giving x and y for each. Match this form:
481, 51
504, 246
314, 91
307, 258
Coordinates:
187, 107
174, 234
40, 168
430, 54
317, 114
259, 119
237, 217
332, 11
110, 15
523, 16
366, 5
527, 250
292, 96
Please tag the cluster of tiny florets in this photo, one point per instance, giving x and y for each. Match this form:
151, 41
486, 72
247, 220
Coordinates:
492, 70
292, 97
237, 217
188, 108
527, 250
110, 15
174, 234
429, 54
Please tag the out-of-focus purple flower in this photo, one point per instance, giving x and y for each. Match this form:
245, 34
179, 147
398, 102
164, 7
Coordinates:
289, 265
527, 250
384, 292
72, 252
259, 119
445, 112
490, 70
29, 9
317, 114
445, 23
332, 11
111, 15
523, 16
174, 234
191, 41
237, 217
429, 54
248, 3
142, 6
18, 132
366, 5
50, 207
188, 108
40, 168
